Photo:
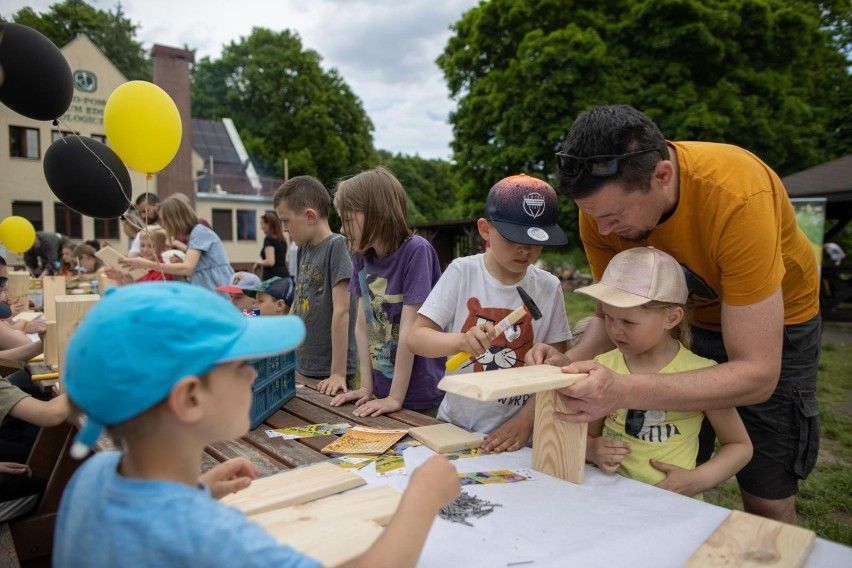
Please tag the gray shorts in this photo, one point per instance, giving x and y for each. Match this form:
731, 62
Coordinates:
784, 430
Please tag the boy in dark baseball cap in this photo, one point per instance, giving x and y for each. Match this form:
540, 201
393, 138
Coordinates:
274, 296
475, 292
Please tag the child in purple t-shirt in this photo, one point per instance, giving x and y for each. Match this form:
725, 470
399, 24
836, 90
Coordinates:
393, 273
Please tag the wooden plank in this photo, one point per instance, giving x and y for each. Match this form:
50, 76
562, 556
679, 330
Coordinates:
27, 316
51, 347
314, 408
52, 286
350, 539
290, 452
110, 256
18, 285
283, 419
559, 447
491, 385
443, 438
377, 504
748, 540
70, 311
293, 487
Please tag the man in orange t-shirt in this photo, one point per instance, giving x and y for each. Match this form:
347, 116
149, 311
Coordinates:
753, 281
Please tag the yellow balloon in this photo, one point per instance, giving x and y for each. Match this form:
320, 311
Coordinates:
143, 126
17, 234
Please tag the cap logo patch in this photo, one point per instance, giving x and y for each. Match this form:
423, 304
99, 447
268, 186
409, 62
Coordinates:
534, 205
237, 279
537, 234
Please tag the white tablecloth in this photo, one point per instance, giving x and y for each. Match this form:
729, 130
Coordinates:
607, 522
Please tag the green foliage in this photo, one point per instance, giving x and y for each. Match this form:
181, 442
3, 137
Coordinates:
431, 186
769, 75
113, 33
285, 106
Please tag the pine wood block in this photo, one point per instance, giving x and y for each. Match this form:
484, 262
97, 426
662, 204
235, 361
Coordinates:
52, 286
110, 256
332, 546
748, 540
18, 285
559, 447
27, 316
293, 487
51, 349
444, 438
491, 385
70, 311
377, 504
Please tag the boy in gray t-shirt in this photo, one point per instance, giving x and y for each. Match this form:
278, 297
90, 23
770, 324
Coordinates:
322, 297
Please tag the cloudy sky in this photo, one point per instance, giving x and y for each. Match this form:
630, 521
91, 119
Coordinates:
384, 49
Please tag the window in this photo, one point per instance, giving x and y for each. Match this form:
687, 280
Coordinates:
30, 210
24, 143
67, 221
56, 135
222, 224
246, 225
100, 138
106, 229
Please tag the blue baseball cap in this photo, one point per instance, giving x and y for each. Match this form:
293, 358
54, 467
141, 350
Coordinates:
523, 210
141, 339
277, 287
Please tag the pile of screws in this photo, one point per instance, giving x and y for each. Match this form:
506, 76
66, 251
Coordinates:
466, 506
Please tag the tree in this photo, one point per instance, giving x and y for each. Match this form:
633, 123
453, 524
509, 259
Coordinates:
768, 75
430, 184
110, 31
286, 106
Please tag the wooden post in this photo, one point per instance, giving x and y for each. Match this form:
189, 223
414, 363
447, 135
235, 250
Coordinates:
559, 447
52, 286
70, 310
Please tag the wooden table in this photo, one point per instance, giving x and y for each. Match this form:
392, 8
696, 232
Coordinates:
272, 455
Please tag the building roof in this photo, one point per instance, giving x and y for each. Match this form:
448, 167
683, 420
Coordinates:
832, 180
210, 138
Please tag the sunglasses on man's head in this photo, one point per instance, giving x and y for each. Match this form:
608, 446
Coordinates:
598, 166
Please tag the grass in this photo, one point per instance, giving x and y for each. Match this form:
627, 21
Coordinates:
824, 503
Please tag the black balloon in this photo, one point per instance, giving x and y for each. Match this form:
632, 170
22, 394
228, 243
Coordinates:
88, 177
37, 79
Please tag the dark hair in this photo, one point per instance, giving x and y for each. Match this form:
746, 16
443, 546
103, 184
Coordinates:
613, 130
273, 226
95, 244
304, 192
149, 197
2, 261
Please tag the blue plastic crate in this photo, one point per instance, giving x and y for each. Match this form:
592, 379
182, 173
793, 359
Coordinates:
274, 386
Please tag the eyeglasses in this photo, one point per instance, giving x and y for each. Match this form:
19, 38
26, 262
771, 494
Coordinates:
598, 166
634, 422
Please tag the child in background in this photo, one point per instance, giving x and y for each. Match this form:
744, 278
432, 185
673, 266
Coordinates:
152, 244
478, 291
85, 255
241, 290
275, 296
67, 263
642, 295
322, 296
393, 274
146, 505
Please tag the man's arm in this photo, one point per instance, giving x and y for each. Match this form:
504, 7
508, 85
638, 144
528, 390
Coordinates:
753, 336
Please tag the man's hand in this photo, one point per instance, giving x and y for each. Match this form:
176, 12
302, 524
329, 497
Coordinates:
229, 477
593, 397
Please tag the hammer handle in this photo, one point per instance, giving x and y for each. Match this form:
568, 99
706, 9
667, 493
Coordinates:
456, 360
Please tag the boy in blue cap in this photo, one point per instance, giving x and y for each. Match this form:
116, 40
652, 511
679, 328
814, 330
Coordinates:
174, 379
274, 296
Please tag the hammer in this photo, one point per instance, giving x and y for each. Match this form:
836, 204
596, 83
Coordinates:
527, 307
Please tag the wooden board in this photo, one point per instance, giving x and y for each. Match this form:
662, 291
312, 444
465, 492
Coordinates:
443, 438
332, 545
377, 504
27, 316
748, 540
52, 286
293, 487
51, 349
110, 256
18, 285
491, 385
559, 447
70, 311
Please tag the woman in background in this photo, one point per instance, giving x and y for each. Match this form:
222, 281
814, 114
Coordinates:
274, 252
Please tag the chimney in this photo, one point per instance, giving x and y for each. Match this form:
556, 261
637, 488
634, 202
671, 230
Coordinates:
171, 73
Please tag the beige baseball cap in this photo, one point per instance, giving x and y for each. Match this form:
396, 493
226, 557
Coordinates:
637, 276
